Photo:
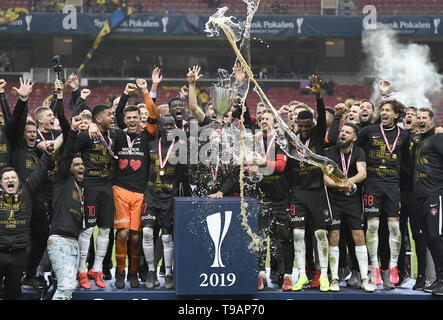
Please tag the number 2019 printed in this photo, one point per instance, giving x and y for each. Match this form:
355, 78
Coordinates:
217, 280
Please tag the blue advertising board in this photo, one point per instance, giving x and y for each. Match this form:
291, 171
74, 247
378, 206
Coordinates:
191, 24
211, 247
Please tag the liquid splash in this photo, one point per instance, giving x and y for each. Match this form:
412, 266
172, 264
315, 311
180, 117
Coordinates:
286, 138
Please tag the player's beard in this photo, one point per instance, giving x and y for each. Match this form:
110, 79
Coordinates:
344, 145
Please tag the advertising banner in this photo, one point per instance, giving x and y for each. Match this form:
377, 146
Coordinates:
211, 247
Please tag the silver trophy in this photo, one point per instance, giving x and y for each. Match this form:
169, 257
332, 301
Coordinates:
222, 95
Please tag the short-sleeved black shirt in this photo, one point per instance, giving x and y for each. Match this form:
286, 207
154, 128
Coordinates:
358, 155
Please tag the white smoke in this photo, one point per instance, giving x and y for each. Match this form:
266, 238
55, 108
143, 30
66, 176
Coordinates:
414, 78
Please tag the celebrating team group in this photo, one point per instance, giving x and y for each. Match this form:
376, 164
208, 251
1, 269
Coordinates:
115, 167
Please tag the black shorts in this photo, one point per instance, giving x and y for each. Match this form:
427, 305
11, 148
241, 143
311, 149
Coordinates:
156, 211
430, 209
274, 219
310, 204
347, 210
99, 206
379, 200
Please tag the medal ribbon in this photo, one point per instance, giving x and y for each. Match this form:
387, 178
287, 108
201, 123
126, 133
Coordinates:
80, 194
343, 162
163, 164
41, 135
269, 146
306, 145
214, 171
394, 145
106, 145
131, 143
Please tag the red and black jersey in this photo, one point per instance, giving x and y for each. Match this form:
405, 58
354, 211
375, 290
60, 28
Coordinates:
275, 184
428, 172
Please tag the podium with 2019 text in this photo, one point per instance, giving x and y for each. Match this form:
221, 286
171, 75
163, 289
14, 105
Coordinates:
211, 247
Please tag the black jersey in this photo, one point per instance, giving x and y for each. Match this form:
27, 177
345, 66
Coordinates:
16, 210
24, 160
7, 131
164, 181
357, 155
302, 174
382, 166
210, 178
96, 157
68, 196
4, 148
48, 136
132, 150
428, 172
408, 163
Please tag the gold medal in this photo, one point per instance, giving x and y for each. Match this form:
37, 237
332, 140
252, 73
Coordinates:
130, 152
163, 164
394, 156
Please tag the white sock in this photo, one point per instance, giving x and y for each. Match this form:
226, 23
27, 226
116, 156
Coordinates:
323, 250
394, 242
372, 241
148, 247
168, 250
361, 253
300, 251
334, 255
83, 243
101, 246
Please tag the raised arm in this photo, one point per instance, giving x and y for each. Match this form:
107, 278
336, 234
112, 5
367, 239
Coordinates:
60, 109
80, 104
4, 102
156, 77
151, 124
69, 149
196, 111
321, 109
129, 89
75, 85
17, 123
334, 129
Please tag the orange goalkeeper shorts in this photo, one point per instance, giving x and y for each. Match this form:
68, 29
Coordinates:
128, 208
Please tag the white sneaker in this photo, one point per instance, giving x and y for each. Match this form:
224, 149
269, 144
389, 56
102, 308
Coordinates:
365, 285
334, 285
